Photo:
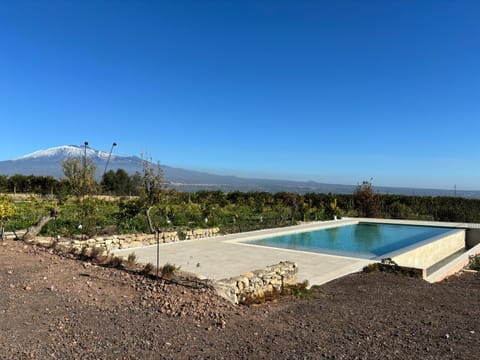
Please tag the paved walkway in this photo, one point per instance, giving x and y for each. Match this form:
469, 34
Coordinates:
223, 256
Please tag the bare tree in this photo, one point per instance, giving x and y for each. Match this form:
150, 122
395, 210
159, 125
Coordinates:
152, 191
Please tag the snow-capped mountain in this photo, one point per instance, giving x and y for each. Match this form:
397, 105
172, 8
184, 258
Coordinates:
49, 161
66, 151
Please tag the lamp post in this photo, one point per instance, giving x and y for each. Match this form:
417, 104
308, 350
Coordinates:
84, 186
108, 159
85, 154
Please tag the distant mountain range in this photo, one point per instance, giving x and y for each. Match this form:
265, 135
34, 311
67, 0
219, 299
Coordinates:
48, 162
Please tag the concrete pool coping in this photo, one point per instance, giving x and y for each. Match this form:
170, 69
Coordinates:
224, 256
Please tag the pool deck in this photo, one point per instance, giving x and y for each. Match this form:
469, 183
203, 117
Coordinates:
226, 256
223, 256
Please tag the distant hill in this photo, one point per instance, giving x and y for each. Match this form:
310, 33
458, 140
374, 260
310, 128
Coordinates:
48, 162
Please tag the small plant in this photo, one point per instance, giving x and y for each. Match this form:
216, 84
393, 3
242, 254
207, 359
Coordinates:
298, 290
169, 269
115, 262
474, 263
267, 296
131, 259
147, 269
371, 268
390, 266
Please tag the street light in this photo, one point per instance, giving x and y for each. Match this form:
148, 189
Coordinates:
85, 153
84, 188
108, 159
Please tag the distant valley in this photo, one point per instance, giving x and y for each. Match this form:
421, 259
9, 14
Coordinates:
48, 162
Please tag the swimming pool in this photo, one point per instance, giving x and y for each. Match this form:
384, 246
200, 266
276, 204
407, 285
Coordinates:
364, 240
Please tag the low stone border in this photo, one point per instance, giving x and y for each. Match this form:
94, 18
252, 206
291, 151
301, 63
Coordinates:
106, 244
258, 283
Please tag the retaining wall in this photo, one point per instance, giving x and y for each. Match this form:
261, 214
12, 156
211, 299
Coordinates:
108, 243
258, 283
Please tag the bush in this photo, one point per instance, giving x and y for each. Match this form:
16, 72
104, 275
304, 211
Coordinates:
169, 269
131, 259
147, 269
474, 263
371, 268
115, 262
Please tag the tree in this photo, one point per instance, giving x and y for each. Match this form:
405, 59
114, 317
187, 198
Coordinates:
80, 175
118, 183
3, 183
366, 202
152, 190
7, 211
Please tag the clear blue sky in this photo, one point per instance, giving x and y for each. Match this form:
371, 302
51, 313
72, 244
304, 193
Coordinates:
331, 91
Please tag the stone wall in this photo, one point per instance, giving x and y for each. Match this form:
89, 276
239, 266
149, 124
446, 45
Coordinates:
106, 244
10, 235
258, 283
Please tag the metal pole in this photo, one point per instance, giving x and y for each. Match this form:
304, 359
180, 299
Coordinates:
158, 250
108, 159
84, 188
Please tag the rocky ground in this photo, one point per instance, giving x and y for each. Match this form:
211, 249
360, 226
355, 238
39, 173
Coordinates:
55, 307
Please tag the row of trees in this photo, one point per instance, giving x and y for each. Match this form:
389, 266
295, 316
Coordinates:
117, 183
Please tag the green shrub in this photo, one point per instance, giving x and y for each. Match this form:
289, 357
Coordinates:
474, 263
371, 268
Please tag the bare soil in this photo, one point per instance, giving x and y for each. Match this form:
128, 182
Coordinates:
55, 307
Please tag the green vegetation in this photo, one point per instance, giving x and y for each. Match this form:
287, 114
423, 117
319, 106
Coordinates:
390, 266
76, 204
474, 263
299, 291
366, 202
7, 211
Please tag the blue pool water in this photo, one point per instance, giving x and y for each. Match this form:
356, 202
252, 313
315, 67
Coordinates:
364, 240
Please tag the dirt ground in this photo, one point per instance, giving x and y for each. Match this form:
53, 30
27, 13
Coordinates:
58, 308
